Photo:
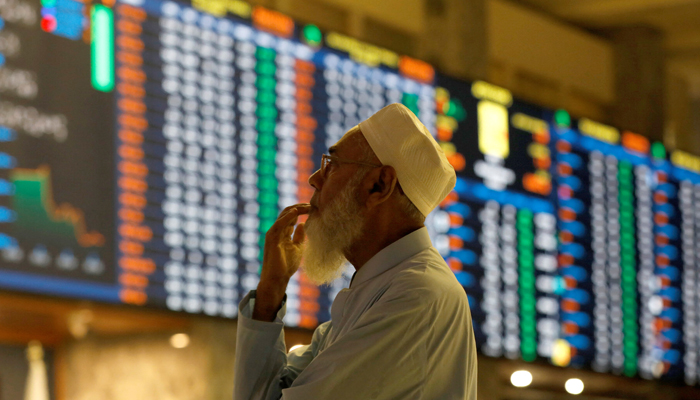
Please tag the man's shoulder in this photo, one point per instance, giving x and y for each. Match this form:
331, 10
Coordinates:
427, 275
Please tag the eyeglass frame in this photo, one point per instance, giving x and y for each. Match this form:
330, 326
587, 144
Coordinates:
330, 158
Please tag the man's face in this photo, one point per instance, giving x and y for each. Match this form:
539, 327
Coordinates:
338, 175
335, 221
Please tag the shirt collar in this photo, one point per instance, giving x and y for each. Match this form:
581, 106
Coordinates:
393, 254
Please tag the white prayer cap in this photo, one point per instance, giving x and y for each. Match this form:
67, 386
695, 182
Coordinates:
400, 140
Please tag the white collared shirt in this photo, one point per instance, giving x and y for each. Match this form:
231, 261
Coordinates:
402, 330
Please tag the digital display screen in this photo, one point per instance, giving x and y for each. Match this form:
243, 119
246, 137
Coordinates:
146, 147
594, 263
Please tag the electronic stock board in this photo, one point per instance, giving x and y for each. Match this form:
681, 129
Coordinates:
146, 146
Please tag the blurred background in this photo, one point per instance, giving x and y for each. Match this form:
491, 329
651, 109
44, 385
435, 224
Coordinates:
146, 146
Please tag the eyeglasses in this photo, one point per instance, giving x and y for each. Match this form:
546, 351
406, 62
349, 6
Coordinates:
326, 160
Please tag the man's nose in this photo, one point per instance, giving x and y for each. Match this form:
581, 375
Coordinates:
315, 180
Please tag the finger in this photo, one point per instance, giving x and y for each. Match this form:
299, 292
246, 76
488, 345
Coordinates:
293, 207
299, 234
290, 218
293, 212
288, 232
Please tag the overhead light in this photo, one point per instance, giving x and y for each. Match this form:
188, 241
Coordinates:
180, 340
79, 323
574, 386
521, 378
296, 346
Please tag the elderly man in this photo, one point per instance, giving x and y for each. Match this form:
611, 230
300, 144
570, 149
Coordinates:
403, 328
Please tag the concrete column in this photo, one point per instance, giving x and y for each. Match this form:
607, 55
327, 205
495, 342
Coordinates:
639, 78
356, 24
693, 133
455, 37
683, 112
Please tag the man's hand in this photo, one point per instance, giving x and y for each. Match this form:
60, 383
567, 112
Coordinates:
281, 258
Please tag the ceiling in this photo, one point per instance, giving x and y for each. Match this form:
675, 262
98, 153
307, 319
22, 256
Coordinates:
678, 20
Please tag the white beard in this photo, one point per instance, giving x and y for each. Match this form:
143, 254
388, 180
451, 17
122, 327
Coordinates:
332, 233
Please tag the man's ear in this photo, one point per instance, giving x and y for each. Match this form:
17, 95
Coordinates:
384, 182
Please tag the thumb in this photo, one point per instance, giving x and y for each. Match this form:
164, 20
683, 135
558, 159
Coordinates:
299, 234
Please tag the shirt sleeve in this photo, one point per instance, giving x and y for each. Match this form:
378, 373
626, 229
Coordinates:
383, 357
262, 366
